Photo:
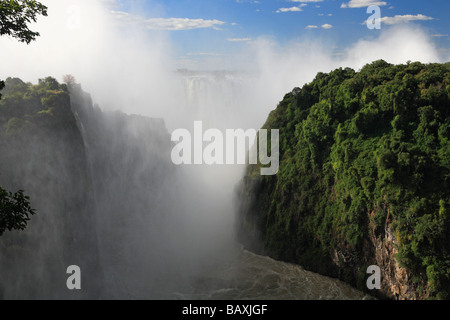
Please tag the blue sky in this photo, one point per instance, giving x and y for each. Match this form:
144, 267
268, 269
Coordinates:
199, 27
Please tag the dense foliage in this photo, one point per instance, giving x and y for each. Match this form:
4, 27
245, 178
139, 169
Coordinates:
361, 154
15, 210
27, 109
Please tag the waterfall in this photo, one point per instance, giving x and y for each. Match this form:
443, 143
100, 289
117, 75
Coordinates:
110, 200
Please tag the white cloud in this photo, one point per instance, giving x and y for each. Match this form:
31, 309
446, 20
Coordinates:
292, 9
362, 3
165, 23
395, 45
404, 18
306, 0
213, 54
239, 39
324, 26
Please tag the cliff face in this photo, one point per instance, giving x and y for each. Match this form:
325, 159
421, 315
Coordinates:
363, 180
42, 152
133, 184
95, 179
396, 281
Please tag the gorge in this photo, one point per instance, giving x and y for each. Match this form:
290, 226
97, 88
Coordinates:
110, 200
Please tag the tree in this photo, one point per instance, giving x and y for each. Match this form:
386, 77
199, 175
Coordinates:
69, 80
15, 210
15, 15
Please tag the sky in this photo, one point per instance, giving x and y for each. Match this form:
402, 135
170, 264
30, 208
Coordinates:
126, 53
201, 29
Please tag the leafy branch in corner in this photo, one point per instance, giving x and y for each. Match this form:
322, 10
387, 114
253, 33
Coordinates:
15, 15
15, 210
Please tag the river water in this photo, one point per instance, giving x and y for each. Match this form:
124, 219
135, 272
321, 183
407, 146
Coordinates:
248, 276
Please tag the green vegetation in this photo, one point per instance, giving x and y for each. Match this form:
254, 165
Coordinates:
361, 154
14, 210
24, 104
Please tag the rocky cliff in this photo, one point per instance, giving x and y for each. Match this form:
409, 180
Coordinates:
364, 179
96, 180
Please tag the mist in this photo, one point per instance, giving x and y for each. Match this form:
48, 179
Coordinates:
124, 67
